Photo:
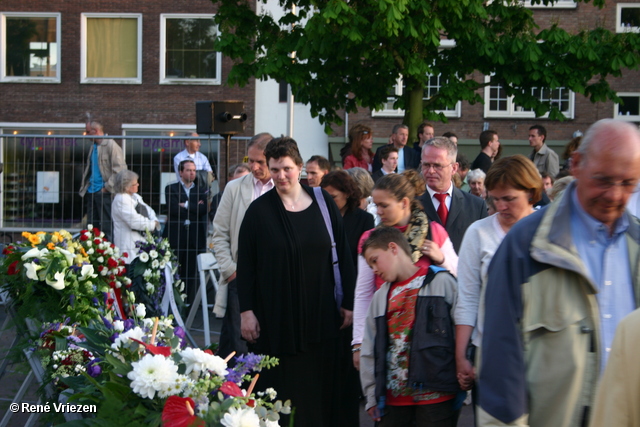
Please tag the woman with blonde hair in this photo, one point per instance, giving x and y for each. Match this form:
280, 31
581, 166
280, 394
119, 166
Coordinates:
361, 140
395, 196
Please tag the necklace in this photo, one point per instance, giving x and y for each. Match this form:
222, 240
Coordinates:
293, 204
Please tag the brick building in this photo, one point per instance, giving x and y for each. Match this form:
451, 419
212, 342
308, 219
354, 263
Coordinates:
138, 67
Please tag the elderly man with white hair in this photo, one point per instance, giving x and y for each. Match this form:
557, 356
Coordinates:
558, 286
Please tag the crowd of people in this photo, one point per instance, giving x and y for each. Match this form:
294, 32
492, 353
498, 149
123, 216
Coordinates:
412, 276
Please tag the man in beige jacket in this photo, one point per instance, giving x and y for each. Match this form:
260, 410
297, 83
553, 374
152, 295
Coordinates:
236, 198
104, 161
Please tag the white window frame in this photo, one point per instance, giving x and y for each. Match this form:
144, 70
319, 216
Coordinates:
619, 27
513, 110
3, 48
616, 108
559, 4
164, 80
83, 50
389, 111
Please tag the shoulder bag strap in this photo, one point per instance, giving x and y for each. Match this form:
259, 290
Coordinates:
337, 290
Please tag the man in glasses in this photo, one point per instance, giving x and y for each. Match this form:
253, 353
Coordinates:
558, 286
443, 202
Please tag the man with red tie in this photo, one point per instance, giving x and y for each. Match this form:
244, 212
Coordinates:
443, 202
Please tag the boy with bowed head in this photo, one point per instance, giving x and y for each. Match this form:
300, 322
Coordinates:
407, 374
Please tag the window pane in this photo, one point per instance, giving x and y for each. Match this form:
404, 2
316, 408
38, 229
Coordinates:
630, 106
630, 17
31, 47
112, 47
190, 50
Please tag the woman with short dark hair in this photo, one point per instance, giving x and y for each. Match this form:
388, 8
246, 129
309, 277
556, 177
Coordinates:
515, 186
289, 302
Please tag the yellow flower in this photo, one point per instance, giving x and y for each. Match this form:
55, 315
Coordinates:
34, 239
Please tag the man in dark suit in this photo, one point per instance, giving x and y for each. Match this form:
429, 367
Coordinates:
187, 223
442, 199
407, 156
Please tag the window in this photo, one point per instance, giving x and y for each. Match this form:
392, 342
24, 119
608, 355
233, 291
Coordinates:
187, 54
628, 17
629, 109
30, 47
111, 48
558, 4
498, 104
432, 88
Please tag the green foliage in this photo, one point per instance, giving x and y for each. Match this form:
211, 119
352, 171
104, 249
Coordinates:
349, 53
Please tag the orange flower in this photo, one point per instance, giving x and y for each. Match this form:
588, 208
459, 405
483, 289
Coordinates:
51, 246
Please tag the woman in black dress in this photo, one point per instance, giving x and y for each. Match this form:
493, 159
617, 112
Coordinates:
286, 289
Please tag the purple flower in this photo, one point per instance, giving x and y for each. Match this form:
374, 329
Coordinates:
95, 302
106, 322
93, 369
244, 364
128, 324
72, 299
113, 337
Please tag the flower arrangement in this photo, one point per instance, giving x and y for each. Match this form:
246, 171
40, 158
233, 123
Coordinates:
53, 276
148, 375
149, 283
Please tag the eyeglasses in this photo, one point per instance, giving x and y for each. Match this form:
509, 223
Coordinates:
436, 166
603, 183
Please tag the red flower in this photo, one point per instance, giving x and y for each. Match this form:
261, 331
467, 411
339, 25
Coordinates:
100, 267
231, 389
125, 254
8, 250
112, 263
179, 412
96, 232
100, 251
154, 349
97, 241
84, 237
13, 268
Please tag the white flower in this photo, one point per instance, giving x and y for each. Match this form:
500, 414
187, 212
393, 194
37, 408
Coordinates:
89, 243
144, 257
32, 270
180, 285
104, 272
87, 272
131, 297
153, 374
123, 338
90, 251
35, 253
90, 227
271, 393
269, 423
162, 264
58, 282
155, 263
148, 323
68, 255
141, 310
153, 254
198, 361
150, 287
118, 325
240, 418
147, 273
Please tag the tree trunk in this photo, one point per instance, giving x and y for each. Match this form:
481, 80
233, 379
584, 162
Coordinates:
413, 114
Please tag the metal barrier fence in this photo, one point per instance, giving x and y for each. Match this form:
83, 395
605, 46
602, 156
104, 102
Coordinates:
42, 174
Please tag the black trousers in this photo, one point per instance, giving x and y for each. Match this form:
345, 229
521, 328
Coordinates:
230, 336
98, 208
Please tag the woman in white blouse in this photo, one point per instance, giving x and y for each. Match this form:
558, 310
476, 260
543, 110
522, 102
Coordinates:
128, 221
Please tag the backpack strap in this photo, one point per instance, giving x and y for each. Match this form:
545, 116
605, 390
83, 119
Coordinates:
338, 293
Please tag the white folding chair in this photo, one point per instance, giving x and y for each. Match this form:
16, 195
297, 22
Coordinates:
206, 263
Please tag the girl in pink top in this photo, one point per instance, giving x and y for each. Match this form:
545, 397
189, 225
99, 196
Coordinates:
396, 198
361, 143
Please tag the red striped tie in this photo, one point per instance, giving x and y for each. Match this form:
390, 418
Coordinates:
443, 212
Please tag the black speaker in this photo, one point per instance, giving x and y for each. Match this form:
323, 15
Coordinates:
221, 117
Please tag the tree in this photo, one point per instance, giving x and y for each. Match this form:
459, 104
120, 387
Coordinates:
348, 53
